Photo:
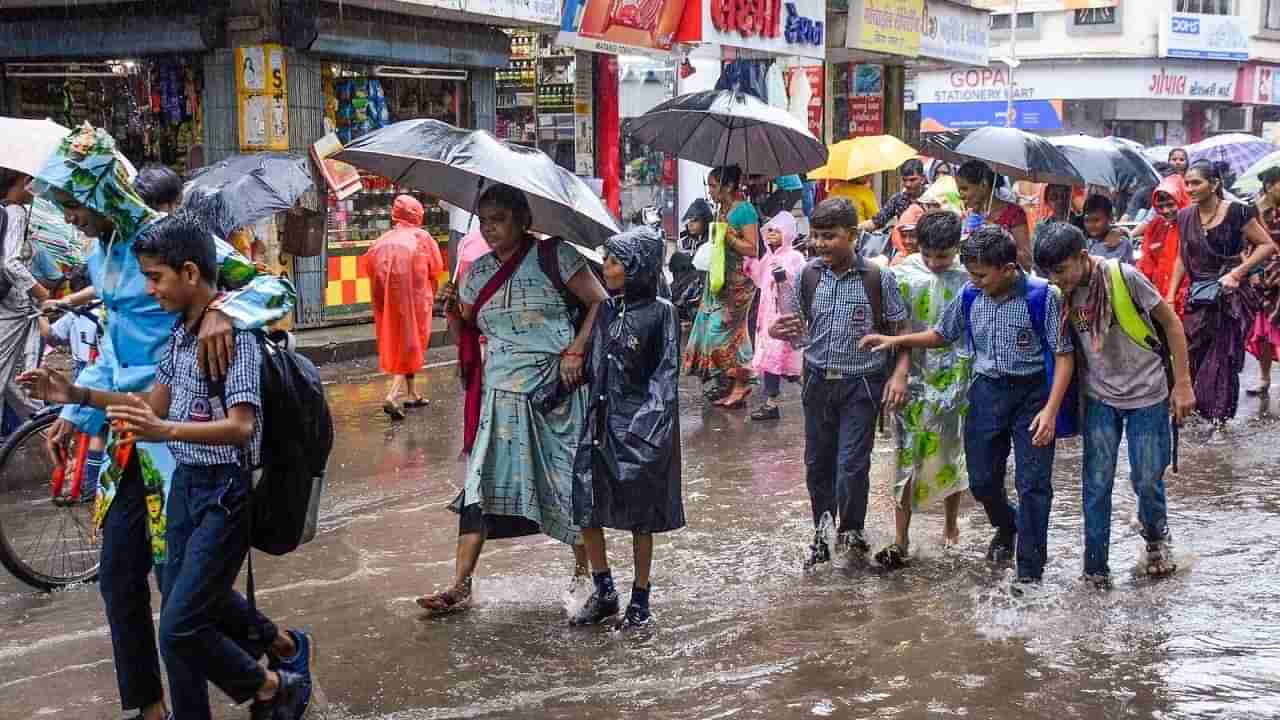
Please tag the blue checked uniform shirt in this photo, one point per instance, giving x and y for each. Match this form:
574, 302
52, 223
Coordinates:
841, 316
190, 401
1005, 342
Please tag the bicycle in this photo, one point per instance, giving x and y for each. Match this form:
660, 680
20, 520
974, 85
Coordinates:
47, 537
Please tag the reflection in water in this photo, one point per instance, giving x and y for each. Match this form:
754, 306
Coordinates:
742, 632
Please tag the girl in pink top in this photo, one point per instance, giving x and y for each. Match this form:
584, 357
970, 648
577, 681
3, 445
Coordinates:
774, 359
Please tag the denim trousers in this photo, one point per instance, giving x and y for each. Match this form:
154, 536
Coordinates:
1000, 415
839, 430
1147, 430
208, 633
126, 592
772, 385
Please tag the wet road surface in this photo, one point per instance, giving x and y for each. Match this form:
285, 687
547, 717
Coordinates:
742, 632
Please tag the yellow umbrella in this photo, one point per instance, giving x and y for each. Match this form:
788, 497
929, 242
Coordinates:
849, 159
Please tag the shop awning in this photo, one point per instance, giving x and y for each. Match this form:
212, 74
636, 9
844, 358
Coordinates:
98, 37
455, 44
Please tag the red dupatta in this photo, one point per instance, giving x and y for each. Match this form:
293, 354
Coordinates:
470, 361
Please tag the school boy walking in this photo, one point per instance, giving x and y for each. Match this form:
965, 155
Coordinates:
1022, 363
208, 632
842, 299
1132, 348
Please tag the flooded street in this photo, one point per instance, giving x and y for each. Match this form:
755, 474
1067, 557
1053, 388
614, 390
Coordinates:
742, 631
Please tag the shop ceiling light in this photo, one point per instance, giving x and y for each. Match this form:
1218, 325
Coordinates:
62, 70
391, 71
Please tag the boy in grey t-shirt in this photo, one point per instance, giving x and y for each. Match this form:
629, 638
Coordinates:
1127, 393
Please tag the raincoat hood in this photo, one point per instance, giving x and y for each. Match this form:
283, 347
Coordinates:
407, 211
640, 251
785, 223
944, 193
699, 209
1175, 187
88, 167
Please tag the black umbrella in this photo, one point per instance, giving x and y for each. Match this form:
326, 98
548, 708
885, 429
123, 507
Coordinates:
726, 127
1107, 163
246, 188
1009, 151
456, 165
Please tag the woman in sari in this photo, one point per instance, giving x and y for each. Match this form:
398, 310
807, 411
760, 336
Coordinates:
976, 183
1215, 233
1161, 245
719, 342
525, 403
1264, 338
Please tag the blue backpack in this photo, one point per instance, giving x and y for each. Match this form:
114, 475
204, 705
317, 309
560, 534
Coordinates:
1037, 304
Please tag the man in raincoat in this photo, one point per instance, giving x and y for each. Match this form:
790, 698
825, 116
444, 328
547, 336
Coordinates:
404, 265
627, 470
87, 178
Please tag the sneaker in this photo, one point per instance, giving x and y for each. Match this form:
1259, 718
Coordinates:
299, 664
1000, 551
852, 542
767, 412
598, 609
635, 617
286, 704
819, 553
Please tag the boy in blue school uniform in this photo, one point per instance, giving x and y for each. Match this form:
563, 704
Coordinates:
208, 632
1014, 326
845, 386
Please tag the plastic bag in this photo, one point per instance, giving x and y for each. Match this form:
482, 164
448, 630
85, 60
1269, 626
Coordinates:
702, 258
716, 269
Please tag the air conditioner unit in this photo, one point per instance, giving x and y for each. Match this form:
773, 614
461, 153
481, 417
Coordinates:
1231, 119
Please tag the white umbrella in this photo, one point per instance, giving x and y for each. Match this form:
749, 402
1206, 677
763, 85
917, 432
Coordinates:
25, 145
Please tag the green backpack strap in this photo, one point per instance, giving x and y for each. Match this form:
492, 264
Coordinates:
1132, 321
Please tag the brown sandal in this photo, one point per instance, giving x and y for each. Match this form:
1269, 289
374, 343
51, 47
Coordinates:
447, 601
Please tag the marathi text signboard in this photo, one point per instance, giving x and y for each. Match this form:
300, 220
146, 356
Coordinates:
955, 33
887, 26
866, 101
1204, 37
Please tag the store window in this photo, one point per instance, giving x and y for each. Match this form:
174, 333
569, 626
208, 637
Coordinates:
362, 98
1206, 7
150, 106
1026, 21
536, 96
648, 177
1146, 132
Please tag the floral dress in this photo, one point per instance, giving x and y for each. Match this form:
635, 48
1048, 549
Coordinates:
930, 439
720, 341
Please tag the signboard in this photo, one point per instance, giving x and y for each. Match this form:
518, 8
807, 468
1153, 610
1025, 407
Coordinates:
866, 101
343, 179
620, 27
1204, 37
1040, 6
542, 12
1257, 85
814, 76
584, 132
955, 33
262, 93
887, 26
1152, 80
784, 27
1027, 115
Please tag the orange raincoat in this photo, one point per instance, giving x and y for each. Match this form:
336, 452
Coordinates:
403, 266
1162, 244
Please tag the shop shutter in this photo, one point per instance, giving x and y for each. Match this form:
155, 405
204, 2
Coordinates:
484, 99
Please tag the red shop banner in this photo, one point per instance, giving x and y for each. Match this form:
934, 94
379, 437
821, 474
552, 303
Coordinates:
814, 75
866, 115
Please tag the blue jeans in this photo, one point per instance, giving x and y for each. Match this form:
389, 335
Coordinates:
126, 592
1147, 430
839, 430
1000, 415
207, 631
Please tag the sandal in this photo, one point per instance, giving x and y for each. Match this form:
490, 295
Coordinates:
767, 412
447, 601
393, 409
1260, 390
738, 404
892, 557
417, 402
1160, 562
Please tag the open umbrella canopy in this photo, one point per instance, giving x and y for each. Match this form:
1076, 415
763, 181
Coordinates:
1106, 163
1249, 182
246, 188
1158, 153
1008, 151
726, 127
849, 159
25, 145
1238, 150
456, 166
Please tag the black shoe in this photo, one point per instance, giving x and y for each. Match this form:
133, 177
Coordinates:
852, 542
819, 553
767, 412
286, 704
1021, 584
598, 609
1000, 551
1098, 581
635, 617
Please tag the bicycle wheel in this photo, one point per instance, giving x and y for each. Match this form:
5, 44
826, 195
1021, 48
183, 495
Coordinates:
43, 544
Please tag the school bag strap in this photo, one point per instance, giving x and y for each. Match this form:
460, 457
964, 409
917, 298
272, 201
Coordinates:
812, 273
549, 264
1140, 327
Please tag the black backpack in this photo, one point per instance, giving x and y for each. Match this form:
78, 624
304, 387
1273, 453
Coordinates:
297, 437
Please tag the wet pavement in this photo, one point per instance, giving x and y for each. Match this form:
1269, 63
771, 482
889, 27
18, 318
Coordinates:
742, 632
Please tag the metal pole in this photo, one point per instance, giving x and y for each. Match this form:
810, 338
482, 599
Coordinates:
1013, 57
